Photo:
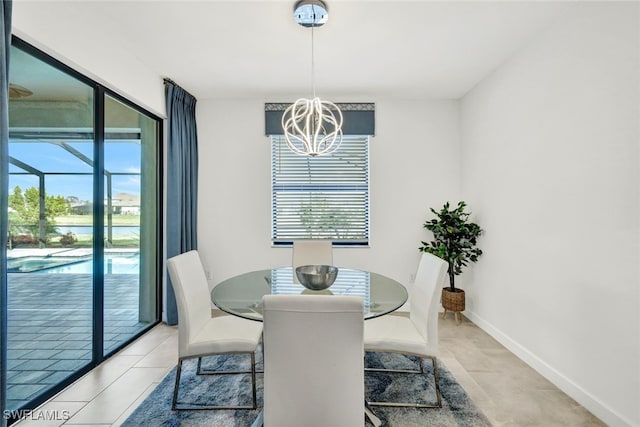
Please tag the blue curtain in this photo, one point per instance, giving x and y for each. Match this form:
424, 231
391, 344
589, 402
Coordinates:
182, 181
5, 48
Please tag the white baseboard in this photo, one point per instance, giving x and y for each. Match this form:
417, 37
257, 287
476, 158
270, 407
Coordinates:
580, 395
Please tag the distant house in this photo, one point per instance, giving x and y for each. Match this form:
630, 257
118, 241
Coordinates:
125, 204
81, 207
121, 204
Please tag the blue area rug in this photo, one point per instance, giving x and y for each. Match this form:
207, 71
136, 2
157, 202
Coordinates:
457, 409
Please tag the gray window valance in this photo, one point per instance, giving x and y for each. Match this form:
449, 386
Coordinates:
359, 118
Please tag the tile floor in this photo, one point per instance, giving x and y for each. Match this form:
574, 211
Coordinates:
508, 391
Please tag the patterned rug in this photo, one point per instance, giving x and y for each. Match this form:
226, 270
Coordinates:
457, 409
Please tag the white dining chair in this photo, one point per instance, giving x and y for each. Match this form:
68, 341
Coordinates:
310, 252
415, 334
313, 361
201, 335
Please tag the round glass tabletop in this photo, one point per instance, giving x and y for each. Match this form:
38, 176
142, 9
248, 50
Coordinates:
242, 295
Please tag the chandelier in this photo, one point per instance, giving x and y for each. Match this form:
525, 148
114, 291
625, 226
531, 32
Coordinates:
312, 127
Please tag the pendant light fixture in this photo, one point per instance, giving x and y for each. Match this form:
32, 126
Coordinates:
312, 127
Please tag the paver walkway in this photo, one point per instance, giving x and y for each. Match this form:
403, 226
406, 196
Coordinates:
49, 327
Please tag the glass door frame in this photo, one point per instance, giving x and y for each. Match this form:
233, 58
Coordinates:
100, 92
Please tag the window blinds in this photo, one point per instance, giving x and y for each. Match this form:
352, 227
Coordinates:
324, 197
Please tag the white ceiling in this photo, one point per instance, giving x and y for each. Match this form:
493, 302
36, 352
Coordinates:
241, 49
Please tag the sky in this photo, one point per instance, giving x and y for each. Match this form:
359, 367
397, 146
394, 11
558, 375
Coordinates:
120, 157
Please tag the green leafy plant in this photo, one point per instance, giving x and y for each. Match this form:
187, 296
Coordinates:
454, 238
323, 219
68, 239
25, 213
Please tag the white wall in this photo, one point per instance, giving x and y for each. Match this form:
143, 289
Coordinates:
550, 166
92, 47
413, 161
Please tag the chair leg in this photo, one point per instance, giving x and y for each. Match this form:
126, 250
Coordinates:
399, 371
368, 412
413, 405
253, 380
437, 381
254, 404
199, 370
259, 421
176, 386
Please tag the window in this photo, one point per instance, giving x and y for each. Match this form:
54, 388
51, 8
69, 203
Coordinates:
324, 197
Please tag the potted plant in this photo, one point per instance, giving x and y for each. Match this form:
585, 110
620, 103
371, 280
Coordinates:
454, 240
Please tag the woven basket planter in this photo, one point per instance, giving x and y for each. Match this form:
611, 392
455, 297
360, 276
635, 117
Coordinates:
453, 301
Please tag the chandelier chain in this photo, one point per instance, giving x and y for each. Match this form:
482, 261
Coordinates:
313, 65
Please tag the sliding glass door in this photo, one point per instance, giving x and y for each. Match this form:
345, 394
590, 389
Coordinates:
130, 171
83, 225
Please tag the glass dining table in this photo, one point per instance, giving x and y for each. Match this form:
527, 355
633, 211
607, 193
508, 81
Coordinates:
241, 295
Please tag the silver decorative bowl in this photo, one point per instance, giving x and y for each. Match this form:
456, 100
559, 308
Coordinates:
316, 277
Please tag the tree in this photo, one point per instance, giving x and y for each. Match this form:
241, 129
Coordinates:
56, 206
325, 220
27, 209
16, 201
31, 212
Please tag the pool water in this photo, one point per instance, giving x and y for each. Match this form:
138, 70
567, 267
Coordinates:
31, 264
114, 263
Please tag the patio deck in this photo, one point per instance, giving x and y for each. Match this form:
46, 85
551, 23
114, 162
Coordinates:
49, 327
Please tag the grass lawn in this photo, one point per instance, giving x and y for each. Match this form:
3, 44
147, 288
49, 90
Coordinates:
120, 240
88, 220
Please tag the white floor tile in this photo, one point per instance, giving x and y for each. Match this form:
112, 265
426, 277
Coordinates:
107, 407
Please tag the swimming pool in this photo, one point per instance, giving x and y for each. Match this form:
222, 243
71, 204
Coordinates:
32, 264
114, 263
